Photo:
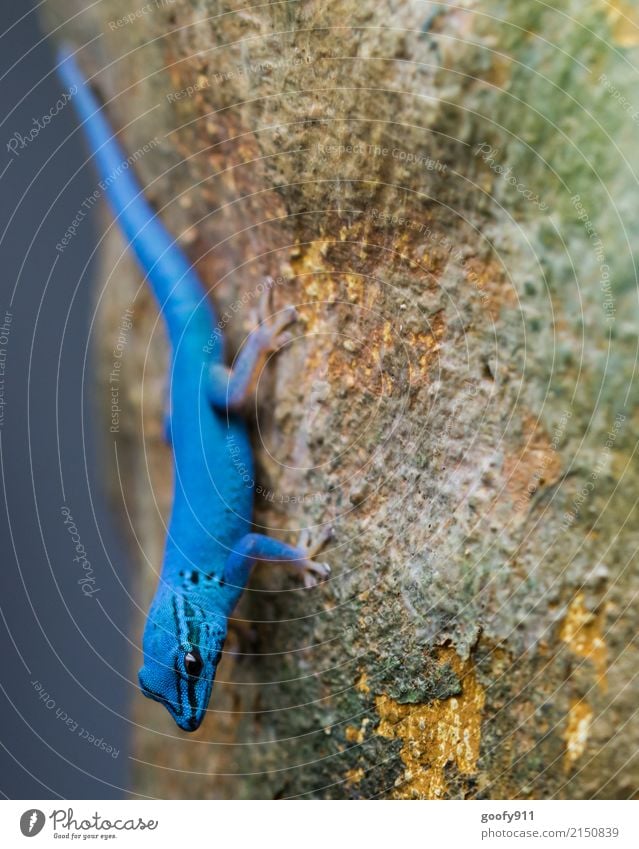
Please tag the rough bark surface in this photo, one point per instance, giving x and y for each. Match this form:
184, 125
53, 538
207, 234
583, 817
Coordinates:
458, 400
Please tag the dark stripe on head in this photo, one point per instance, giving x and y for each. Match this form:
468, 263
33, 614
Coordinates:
190, 694
190, 635
178, 681
178, 676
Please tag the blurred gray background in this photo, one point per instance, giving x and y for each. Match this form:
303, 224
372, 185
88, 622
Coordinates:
65, 663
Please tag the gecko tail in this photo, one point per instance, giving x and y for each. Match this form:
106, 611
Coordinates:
180, 293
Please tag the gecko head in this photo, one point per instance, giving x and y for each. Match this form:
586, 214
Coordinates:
180, 662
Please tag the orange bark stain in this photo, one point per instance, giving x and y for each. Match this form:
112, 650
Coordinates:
576, 733
354, 776
582, 631
442, 732
537, 464
493, 287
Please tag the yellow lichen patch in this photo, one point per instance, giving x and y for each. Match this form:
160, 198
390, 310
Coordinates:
353, 735
623, 18
355, 288
428, 344
444, 731
362, 683
577, 731
582, 630
354, 776
308, 262
356, 735
432, 262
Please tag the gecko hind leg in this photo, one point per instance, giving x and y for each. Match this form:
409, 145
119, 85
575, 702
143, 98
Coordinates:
228, 389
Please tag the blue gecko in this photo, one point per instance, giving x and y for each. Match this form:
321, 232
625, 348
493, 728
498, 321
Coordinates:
210, 546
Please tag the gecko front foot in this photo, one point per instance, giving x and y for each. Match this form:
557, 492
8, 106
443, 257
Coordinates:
228, 390
254, 547
314, 571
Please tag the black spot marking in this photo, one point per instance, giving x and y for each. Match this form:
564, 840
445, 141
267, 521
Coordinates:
179, 709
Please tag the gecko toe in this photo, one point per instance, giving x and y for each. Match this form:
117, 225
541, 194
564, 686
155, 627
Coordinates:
282, 340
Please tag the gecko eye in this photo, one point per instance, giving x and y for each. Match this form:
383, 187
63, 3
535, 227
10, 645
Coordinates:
193, 663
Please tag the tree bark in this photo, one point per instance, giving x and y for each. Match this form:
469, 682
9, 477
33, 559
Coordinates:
448, 194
